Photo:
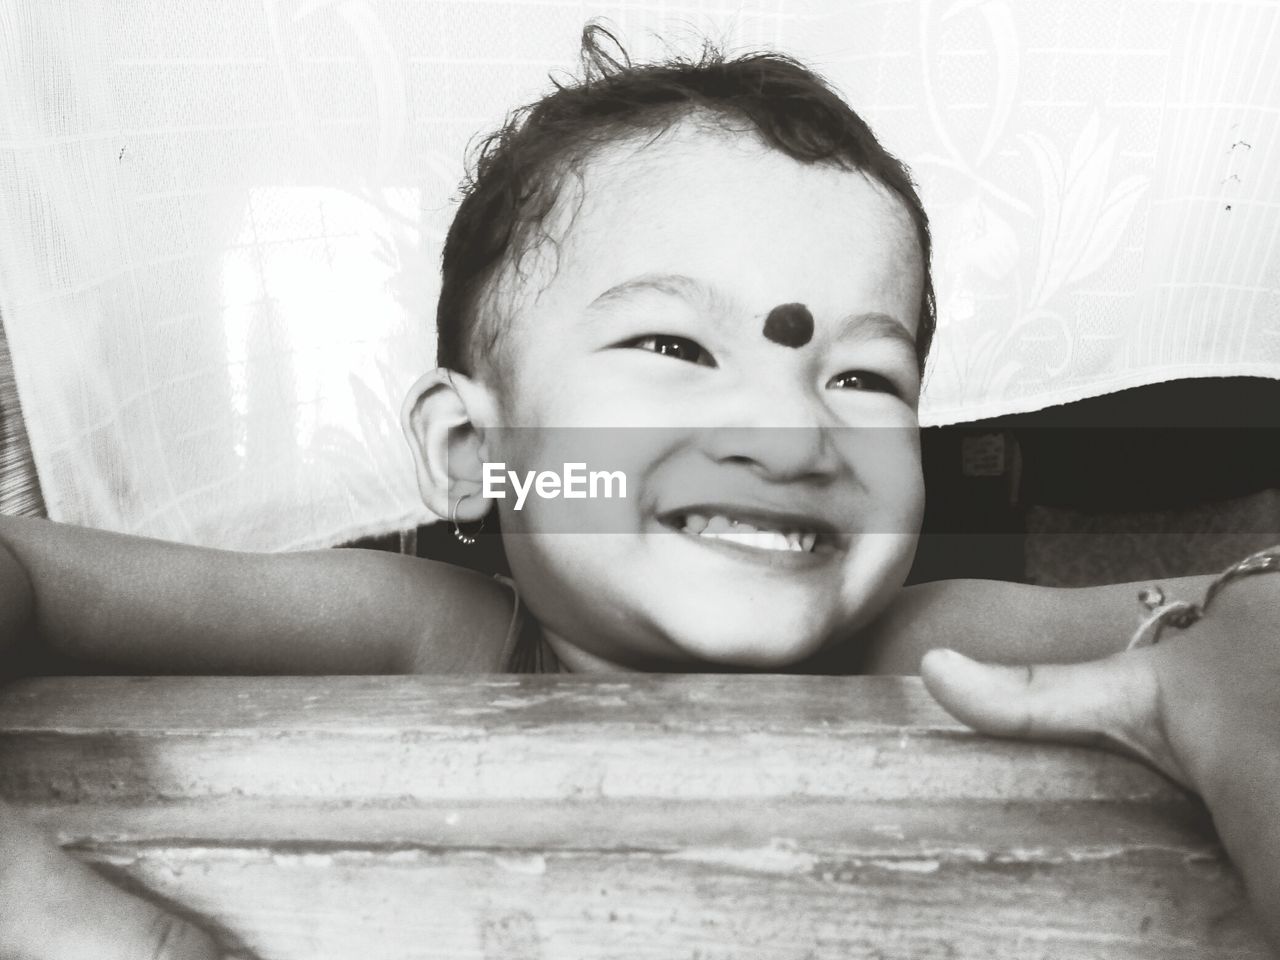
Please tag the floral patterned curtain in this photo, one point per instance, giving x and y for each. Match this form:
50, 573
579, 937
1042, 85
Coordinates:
220, 222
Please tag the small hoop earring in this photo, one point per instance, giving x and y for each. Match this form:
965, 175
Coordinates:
466, 539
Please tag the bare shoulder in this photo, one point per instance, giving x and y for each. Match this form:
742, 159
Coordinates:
431, 617
457, 620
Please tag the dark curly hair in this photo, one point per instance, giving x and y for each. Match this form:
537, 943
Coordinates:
519, 168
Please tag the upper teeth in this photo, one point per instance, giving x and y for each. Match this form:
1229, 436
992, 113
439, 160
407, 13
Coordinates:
719, 527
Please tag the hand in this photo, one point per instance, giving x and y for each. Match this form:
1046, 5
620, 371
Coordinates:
1202, 706
52, 907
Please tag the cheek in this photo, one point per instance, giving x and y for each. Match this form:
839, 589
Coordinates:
576, 480
554, 390
521, 398
544, 567
574, 585
889, 466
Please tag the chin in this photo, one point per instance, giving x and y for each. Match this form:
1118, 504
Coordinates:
750, 646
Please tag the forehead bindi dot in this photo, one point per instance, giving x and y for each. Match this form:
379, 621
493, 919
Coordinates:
789, 325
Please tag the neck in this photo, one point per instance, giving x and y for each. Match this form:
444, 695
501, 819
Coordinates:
574, 659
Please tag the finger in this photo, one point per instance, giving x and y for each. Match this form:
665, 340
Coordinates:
99, 920
62, 910
1112, 702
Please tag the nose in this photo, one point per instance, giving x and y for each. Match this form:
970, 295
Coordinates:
778, 430
777, 454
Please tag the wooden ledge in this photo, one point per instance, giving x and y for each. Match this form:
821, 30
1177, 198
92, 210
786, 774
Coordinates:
629, 816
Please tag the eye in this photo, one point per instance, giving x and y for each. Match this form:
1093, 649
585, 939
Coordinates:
862, 380
666, 345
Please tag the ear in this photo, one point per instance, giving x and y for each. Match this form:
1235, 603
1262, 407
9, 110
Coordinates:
444, 418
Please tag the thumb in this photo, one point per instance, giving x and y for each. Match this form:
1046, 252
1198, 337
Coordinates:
66, 911
1113, 702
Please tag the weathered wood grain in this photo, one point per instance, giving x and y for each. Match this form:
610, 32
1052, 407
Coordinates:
649, 817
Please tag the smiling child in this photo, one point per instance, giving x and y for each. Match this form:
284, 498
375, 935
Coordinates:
651, 324
720, 270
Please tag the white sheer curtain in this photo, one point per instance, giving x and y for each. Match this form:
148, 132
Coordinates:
220, 220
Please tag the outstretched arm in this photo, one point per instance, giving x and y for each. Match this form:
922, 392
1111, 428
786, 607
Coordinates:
1001, 622
91, 601
108, 602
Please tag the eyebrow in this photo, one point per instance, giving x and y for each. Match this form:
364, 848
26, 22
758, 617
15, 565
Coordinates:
672, 284
856, 326
875, 326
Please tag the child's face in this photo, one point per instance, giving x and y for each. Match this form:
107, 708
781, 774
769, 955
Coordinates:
653, 316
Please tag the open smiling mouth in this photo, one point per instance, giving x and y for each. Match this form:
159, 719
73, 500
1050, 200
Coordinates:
754, 532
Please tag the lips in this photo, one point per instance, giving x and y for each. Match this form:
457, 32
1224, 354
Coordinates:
754, 529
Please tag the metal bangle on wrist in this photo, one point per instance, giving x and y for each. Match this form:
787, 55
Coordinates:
1160, 612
